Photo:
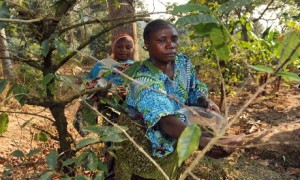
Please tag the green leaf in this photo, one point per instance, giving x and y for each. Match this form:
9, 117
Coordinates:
26, 123
65, 178
262, 68
219, 40
81, 157
61, 47
93, 129
45, 47
4, 13
47, 79
51, 159
113, 138
3, 84
69, 161
102, 167
217, 36
18, 153
114, 130
190, 7
132, 70
40, 137
196, 19
92, 161
151, 67
3, 123
233, 4
222, 51
289, 47
100, 175
7, 170
81, 177
204, 29
20, 94
47, 176
290, 75
86, 142
33, 152
188, 142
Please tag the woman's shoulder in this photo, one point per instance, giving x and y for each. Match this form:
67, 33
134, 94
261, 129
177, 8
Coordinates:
182, 60
182, 57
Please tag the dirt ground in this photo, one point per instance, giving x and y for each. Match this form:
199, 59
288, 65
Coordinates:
271, 123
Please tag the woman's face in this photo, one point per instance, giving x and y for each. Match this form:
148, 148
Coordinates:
163, 45
123, 49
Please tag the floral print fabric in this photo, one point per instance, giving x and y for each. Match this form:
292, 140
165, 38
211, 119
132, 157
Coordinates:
165, 97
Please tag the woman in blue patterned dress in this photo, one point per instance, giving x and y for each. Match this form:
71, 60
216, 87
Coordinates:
99, 76
172, 74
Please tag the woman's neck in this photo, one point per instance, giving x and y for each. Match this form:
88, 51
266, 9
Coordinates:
166, 68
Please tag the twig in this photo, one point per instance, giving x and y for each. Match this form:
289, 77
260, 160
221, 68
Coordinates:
33, 114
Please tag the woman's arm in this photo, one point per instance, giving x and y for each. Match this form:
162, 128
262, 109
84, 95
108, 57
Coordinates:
173, 127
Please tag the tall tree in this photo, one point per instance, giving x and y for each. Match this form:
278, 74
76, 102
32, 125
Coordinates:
4, 55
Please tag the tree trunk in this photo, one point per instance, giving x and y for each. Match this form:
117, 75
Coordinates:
65, 139
262, 80
6, 63
124, 8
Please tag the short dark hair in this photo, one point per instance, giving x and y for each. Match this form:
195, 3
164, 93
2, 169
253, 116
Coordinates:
154, 26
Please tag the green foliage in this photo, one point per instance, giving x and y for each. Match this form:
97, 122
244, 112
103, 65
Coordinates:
20, 93
219, 39
3, 123
7, 171
45, 47
3, 84
61, 47
86, 141
262, 68
4, 13
51, 159
47, 79
18, 153
188, 142
233, 4
189, 8
33, 152
289, 75
132, 70
40, 137
47, 175
196, 19
289, 48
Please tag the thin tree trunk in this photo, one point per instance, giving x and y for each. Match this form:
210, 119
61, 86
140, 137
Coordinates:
126, 8
6, 63
65, 139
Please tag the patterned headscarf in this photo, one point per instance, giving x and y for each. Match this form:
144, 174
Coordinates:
120, 36
117, 38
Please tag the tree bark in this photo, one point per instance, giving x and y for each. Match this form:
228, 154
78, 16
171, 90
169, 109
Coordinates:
6, 62
65, 139
124, 8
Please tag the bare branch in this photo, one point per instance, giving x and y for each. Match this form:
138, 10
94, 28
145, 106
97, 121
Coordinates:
105, 20
52, 136
28, 113
263, 13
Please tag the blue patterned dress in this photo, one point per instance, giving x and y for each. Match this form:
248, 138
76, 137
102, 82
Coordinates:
149, 105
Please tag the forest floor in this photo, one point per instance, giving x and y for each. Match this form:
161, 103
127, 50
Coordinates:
271, 123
